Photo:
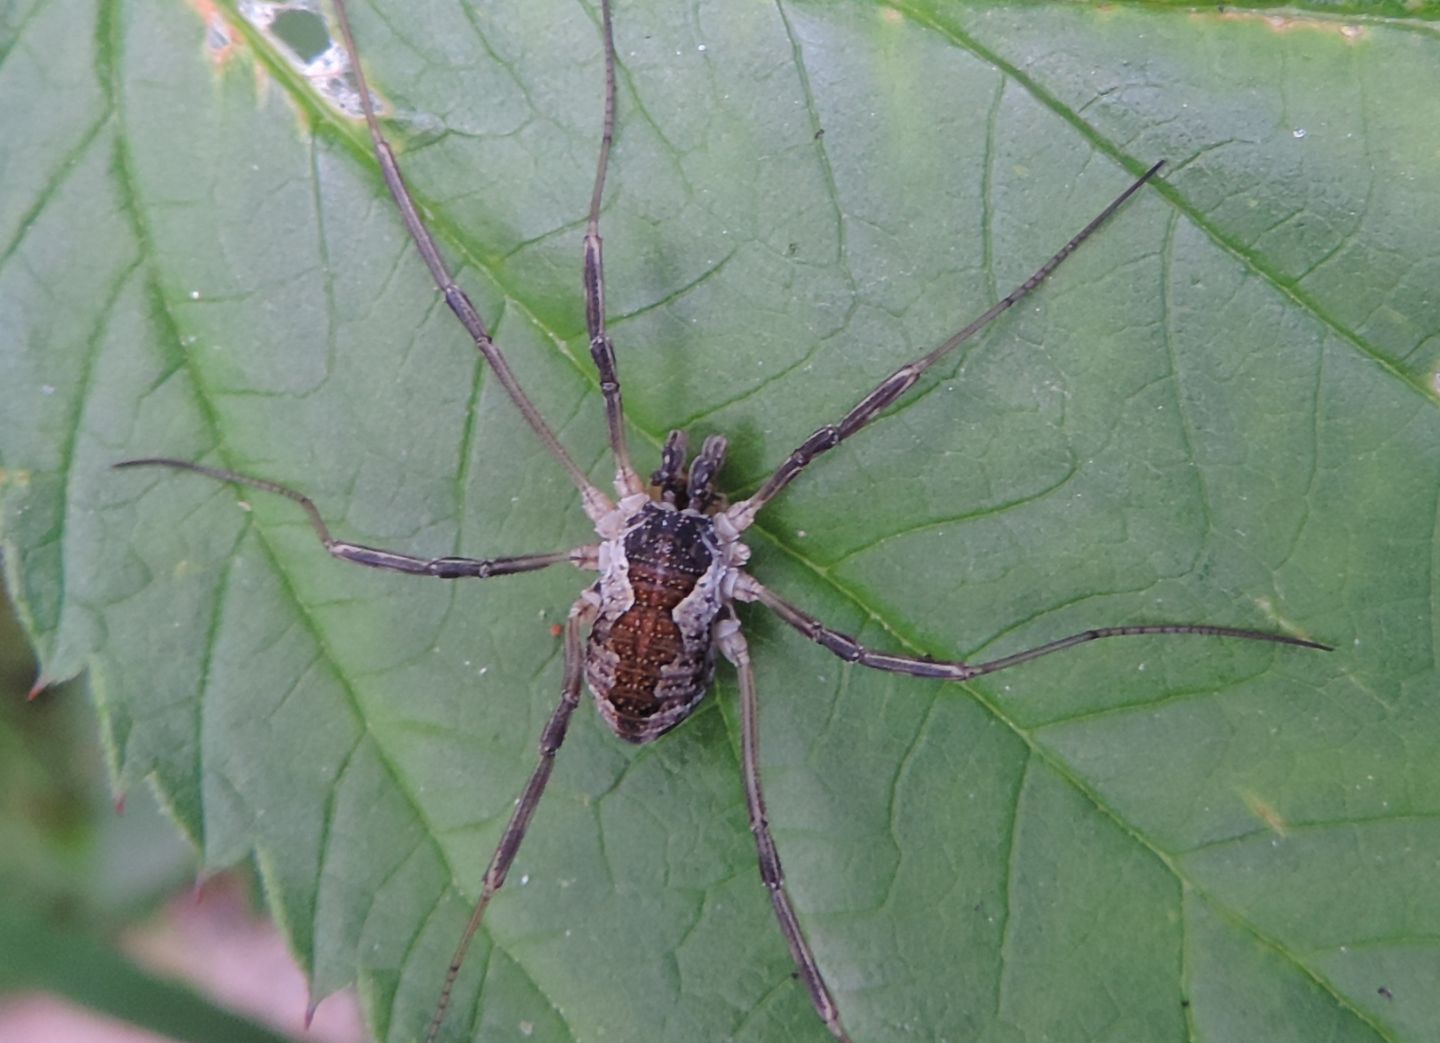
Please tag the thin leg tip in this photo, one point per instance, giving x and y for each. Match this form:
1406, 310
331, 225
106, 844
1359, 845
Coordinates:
149, 461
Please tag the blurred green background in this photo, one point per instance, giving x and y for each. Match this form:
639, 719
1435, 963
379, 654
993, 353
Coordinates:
75, 875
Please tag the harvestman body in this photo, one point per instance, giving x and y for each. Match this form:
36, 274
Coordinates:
669, 557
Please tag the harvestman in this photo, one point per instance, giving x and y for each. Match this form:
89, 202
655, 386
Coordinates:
668, 553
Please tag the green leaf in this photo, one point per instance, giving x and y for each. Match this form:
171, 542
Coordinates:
1222, 410
74, 874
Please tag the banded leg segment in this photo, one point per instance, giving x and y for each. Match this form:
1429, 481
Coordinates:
376, 557
581, 614
823, 439
602, 350
733, 646
597, 504
847, 648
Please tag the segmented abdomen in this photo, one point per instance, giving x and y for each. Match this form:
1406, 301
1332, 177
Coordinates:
649, 664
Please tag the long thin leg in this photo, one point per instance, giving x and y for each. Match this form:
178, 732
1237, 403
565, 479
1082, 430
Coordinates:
601, 349
375, 557
823, 439
733, 647
850, 650
581, 614
597, 504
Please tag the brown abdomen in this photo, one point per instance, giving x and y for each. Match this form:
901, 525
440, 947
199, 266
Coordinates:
649, 666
